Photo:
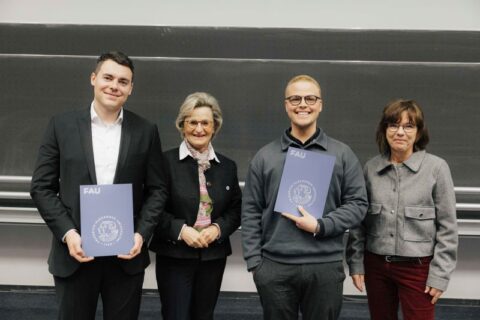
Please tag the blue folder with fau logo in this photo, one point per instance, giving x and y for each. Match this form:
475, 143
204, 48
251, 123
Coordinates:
305, 181
106, 218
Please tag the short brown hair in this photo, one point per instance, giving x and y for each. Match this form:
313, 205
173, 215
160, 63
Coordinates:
116, 56
392, 113
304, 77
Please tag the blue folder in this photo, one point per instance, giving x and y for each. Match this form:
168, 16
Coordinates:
305, 181
106, 213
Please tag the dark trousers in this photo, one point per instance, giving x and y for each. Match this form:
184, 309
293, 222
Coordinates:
314, 289
391, 283
189, 288
78, 294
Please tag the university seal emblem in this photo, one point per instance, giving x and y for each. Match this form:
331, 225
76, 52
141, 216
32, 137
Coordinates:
107, 230
302, 193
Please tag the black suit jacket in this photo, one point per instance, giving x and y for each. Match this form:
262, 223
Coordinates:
65, 161
183, 201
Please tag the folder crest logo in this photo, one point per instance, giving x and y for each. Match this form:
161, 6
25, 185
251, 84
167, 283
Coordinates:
302, 192
107, 230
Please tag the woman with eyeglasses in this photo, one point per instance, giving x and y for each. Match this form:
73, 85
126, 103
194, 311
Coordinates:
406, 248
203, 210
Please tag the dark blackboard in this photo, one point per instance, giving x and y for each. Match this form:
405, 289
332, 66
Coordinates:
356, 85
246, 43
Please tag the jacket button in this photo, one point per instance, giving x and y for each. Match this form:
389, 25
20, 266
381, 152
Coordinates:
391, 235
392, 212
209, 184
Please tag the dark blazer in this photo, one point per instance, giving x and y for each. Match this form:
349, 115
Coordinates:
65, 161
183, 201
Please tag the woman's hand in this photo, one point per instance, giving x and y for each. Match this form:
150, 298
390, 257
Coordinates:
358, 281
434, 293
193, 238
210, 233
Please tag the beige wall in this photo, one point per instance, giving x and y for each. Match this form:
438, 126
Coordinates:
24, 251
366, 14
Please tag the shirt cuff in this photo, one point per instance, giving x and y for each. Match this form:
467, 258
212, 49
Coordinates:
65, 235
321, 231
180, 234
219, 230
317, 229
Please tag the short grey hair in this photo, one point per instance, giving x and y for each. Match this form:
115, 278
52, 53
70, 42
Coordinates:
197, 100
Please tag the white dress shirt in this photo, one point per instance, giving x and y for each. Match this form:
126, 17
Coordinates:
183, 152
106, 146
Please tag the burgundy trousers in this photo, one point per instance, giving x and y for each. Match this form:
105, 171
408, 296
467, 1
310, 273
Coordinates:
391, 283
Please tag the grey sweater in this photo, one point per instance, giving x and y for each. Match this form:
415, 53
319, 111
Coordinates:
412, 213
266, 233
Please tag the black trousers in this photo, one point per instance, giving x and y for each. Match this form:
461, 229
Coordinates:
78, 294
188, 288
314, 289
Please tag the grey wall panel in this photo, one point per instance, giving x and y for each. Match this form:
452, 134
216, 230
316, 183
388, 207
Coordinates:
251, 94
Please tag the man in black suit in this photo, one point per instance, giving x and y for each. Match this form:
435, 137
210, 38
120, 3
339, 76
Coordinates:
102, 144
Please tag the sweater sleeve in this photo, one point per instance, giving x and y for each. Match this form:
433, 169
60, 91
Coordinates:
253, 205
356, 244
354, 201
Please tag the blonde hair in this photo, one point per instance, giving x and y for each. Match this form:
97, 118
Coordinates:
304, 77
197, 100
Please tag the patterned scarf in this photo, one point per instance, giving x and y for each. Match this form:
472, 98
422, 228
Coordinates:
206, 206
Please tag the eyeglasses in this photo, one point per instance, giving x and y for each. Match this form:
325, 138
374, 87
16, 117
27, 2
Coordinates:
408, 128
296, 100
193, 124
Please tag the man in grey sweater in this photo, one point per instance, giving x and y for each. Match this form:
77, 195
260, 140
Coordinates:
297, 261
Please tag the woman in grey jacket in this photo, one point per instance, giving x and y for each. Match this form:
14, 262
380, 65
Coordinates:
406, 248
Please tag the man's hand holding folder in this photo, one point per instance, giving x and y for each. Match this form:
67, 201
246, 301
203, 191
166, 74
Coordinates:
306, 222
